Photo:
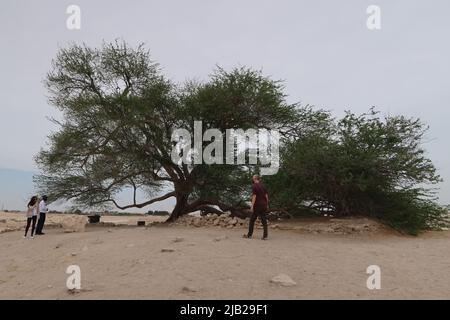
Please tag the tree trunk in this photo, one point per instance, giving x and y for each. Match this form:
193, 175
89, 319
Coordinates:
180, 208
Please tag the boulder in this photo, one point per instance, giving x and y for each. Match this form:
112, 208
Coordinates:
74, 223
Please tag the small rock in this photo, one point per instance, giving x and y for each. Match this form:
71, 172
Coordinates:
220, 238
177, 239
73, 291
197, 222
73, 254
167, 250
97, 241
188, 289
227, 219
216, 222
283, 280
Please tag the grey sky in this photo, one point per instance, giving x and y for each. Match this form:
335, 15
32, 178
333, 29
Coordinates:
322, 49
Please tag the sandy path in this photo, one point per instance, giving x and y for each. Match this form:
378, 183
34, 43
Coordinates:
128, 263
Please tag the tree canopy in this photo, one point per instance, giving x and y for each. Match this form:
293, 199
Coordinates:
119, 112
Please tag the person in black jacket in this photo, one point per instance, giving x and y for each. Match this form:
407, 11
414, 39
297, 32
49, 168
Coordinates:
260, 204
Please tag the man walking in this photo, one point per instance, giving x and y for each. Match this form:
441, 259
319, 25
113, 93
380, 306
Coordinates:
42, 213
260, 203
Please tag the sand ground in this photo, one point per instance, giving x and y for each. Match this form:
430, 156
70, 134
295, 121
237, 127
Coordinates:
216, 263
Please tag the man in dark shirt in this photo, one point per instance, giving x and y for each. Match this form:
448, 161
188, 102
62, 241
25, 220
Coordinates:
260, 203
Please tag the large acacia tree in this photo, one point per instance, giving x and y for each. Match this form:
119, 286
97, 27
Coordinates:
118, 115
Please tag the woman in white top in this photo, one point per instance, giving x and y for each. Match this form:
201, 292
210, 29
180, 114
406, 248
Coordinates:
31, 216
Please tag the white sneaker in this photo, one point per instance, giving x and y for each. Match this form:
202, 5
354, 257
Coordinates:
24, 237
32, 237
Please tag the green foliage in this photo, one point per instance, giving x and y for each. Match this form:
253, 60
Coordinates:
119, 112
362, 165
158, 213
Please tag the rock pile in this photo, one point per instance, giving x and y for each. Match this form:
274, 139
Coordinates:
225, 220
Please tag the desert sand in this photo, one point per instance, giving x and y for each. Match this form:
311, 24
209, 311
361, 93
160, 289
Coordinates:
118, 260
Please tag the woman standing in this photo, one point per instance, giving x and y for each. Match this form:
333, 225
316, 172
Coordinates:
31, 216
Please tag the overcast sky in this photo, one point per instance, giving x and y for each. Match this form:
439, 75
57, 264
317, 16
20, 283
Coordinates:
322, 49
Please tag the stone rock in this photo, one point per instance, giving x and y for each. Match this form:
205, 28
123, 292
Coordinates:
197, 222
283, 280
177, 239
227, 219
188, 289
74, 224
167, 250
97, 241
220, 238
216, 222
73, 291
195, 214
233, 222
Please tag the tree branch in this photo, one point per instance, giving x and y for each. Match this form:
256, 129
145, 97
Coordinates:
144, 204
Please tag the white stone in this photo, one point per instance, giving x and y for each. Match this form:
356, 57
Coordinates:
283, 280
